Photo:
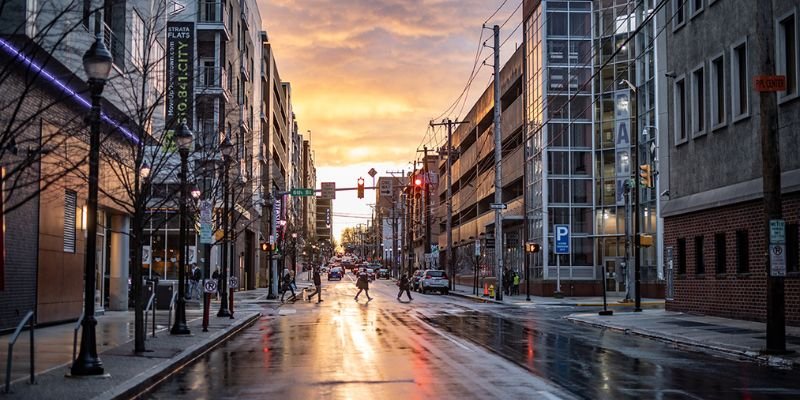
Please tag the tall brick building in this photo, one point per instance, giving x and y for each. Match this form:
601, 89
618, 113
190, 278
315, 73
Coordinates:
714, 222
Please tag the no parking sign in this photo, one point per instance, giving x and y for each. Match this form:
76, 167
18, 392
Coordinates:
210, 285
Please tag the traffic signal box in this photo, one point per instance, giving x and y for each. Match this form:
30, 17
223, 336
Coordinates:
533, 247
360, 188
645, 175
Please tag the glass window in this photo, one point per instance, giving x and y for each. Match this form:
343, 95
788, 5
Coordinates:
739, 84
582, 251
581, 163
717, 84
581, 135
787, 54
558, 163
678, 11
580, 24
558, 215
557, 23
559, 191
719, 251
70, 219
582, 220
681, 256
582, 191
698, 102
680, 110
742, 252
792, 248
557, 106
557, 52
699, 259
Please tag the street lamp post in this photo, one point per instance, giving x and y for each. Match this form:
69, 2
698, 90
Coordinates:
294, 253
226, 147
97, 64
184, 138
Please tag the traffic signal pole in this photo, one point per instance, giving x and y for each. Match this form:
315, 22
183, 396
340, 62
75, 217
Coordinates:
498, 158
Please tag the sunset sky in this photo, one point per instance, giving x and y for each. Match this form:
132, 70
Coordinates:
368, 75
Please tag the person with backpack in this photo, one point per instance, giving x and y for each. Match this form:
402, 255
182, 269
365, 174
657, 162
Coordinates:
362, 284
287, 285
317, 286
404, 287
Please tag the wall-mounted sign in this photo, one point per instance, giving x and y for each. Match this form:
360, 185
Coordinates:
180, 73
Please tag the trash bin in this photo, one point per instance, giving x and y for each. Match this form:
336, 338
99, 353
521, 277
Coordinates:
164, 295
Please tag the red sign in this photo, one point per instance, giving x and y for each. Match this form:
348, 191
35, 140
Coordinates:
770, 83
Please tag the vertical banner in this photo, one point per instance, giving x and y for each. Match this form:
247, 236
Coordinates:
622, 143
206, 219
180, 73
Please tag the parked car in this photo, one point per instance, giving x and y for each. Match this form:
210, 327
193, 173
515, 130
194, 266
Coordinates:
415, 279
383, 273
335, 274
434, 280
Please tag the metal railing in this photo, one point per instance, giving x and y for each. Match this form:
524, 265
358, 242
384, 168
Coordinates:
150, 305
171, 306
75, 337
212, 77
28, 317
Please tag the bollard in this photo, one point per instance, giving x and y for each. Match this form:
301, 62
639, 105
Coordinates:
485, 289
230, 302
206, 306
491, 291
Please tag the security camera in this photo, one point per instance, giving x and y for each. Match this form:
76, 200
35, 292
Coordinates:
665, 193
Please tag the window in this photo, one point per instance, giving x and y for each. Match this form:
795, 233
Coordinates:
742, 252
87, 11
698, 102
678, 11
699, 261
681, 256
719, 252
70, 206
717, 93
697, 7
680, 111
137, 41
740, 89
792, 250
786, 48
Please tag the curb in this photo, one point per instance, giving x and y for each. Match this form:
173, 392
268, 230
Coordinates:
149, 379
771, 360
478, 299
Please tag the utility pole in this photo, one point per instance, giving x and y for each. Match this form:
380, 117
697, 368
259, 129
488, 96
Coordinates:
771, 176
411, 203
498, 158
394, 251
426, 217
449, 152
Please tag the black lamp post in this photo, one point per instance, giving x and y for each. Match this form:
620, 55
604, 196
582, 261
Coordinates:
294, 253
183, 138
226, 147
97, 64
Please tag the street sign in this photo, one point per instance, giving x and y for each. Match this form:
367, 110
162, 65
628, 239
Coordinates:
498, 206
490, 242
777, 260
777, 231
386, 188
233, 282
769, 83
206, 235
372, 172
210, 285
562, 239
302, 192
328, 190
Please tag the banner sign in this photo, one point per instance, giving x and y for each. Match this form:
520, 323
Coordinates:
206, 222
180, 73
622, 142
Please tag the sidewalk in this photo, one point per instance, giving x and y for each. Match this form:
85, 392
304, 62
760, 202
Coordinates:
733, 338
129, 373
520, 300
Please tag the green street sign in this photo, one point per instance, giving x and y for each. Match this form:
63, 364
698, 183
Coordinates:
302, 192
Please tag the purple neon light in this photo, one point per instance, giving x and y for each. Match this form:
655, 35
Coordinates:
27, 61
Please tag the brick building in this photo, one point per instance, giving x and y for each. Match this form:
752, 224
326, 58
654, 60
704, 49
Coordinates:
714, 223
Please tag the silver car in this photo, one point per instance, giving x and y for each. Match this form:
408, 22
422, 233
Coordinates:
433, 279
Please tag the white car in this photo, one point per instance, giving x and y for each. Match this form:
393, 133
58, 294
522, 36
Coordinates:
433, 279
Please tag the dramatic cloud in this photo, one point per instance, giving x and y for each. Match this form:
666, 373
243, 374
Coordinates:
368, 75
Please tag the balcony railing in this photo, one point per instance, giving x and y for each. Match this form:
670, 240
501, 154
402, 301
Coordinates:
211, 78
116, 46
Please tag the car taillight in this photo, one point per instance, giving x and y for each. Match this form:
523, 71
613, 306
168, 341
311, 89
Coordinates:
444, 276
427, 277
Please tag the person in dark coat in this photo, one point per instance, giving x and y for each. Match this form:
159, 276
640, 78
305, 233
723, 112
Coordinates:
317, 286
363, 285
287, 285
403, 284
215, 276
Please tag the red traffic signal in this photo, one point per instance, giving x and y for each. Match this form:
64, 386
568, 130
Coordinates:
417, 181
360, 188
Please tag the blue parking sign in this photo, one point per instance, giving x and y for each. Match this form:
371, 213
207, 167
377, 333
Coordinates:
562, 239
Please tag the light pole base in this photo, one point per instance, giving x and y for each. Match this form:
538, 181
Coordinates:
606, 312
180, 329
558, 295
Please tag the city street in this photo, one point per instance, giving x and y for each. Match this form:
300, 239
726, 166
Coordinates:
449, 347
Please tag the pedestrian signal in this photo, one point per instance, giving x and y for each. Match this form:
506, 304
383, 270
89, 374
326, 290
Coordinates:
645, 175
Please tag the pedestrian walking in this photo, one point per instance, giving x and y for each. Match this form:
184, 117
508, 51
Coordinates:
363, 284
287, 285
404, 287
317, 286
515, 281
194, 282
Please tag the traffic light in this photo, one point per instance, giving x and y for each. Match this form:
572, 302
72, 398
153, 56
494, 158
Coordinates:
533, 247
645, 175
418, 182
265, 246
360, 188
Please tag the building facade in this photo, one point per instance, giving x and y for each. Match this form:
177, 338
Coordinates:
714, 218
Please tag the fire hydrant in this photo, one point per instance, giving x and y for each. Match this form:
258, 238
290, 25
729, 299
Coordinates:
491, 290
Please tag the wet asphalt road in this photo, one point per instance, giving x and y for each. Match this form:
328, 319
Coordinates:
443, 347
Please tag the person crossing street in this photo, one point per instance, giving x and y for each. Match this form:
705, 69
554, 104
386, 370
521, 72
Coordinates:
317, 286
403, 284
363, 284
287, 285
